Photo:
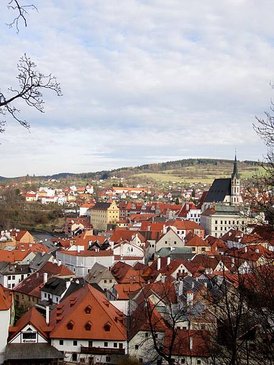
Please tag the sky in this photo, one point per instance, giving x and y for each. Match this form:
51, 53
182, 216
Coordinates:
143, 81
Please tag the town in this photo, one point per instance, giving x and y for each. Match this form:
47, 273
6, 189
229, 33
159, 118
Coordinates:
136, 279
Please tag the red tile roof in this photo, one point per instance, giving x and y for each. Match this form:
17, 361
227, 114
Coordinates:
34, 318
192, 343
5, 298
87, 314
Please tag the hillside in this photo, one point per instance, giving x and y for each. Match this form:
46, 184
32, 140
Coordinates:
184, 171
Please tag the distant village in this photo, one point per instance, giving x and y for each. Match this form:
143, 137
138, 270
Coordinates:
139, 277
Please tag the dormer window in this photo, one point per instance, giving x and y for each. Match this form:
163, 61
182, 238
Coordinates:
107, 327
88, 309
88, 326
70, 325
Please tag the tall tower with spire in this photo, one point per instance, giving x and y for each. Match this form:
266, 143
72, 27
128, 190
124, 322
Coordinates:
236, 197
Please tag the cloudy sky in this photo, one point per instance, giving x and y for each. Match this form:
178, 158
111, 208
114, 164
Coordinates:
143, 81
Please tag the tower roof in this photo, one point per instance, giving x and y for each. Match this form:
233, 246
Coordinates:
235, 173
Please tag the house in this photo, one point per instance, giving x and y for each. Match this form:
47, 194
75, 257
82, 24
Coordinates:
104, 215
183, 227
169, 239
29, 341
86, 327
6, 304
57, 287
140, 340
81, 260
189, 347
197, 244
101, 275
12, 274
128, 252
190, 212
221, 218
28, 292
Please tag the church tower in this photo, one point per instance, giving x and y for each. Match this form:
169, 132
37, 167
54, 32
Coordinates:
236, 197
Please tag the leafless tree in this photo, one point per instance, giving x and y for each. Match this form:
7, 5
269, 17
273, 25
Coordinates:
243, 333
31, 83
163, 315
264, 127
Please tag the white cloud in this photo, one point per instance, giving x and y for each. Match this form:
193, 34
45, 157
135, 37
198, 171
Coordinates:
140, 79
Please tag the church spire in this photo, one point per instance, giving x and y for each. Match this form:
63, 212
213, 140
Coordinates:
235, 173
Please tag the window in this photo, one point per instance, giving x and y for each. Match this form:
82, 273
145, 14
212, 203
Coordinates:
136, 347
88, 326
29, 336
146, 334
70, 326
107, 358
115, 344
121, 346
106, 344
74, 343
107, 327
90, 343
13, 277
9, 277
88, 309
183, 361
199, 361
61, 342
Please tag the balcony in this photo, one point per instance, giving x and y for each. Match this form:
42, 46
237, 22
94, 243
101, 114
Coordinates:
102, 351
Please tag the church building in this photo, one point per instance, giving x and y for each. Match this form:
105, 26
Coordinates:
226, 191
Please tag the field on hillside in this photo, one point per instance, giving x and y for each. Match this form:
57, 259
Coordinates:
203, 174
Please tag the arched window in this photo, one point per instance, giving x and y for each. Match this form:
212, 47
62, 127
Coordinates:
88, 326
70, 325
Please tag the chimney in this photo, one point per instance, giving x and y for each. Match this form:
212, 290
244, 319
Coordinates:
59, 262
163, 278
168, 260
190, 343
158, 263
189, 298
47, 315
45, 277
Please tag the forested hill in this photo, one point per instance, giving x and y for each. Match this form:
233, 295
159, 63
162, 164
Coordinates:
194, 168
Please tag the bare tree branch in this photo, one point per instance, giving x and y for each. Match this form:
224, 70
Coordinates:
22, 12
31, 86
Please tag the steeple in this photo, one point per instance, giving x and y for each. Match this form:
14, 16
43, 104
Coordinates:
235, 173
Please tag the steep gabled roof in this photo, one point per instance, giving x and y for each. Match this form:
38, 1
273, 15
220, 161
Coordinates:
188, 343
192, 240
218, 190
87, 314
5, 298
34, 318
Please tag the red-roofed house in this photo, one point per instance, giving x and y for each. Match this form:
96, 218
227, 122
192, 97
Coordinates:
87, 326
5, 314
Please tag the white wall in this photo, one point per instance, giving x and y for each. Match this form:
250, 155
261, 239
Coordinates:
4, 321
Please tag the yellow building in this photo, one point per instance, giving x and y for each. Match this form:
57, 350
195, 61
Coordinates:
104, 215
